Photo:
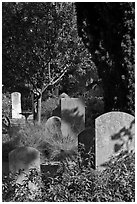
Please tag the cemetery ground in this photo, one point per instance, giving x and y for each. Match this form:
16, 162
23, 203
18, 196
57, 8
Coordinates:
64, 178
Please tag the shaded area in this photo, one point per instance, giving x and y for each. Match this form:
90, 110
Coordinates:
125, 136
87, 139
9, 143
5, 124
73, 119
107, 33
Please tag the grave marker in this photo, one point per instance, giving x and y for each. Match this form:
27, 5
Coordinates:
53, 127
72, 116
16, 105
23, 158
57, 110
115, 131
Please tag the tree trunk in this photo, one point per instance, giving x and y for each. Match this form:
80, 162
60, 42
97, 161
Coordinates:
36, 108
39, 110
33, 106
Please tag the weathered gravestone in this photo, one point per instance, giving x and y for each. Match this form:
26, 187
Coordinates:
16, 105
57, 111
87, 139
50, 169
23, 159
115, 131
53, 127
72, 116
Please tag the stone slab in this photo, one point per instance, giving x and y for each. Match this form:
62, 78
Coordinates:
23, 158
115, 131
16, 105
72, 116
53, 127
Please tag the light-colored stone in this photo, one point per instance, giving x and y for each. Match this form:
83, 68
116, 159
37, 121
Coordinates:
53, 127
115, 131
72, 116
16, 105
23, 158
57, 110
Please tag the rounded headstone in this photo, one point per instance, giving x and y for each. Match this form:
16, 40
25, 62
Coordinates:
53, 127
23, 158
115, 131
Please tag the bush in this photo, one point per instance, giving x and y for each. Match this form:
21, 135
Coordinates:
52, 147
15, 192
6, 104
47, 107
115, 184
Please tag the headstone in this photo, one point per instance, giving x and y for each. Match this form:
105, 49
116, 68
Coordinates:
87, 138
23, 158
50, 169
57, 110
53, 128
72, 116
16, 105
115, 131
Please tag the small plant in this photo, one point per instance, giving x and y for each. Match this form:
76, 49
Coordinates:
115, 184
29, 190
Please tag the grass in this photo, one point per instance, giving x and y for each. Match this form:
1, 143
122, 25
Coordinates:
114, 184
51, 146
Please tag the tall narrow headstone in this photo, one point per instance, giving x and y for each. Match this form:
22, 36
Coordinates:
72, 116
115, 131
23, 159
57, 110
16, 105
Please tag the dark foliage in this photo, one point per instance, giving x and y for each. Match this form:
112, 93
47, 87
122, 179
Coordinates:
108, 30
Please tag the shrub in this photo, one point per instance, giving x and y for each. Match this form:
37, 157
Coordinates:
47, 107
115, 184
6, 104
51, 147
15, 192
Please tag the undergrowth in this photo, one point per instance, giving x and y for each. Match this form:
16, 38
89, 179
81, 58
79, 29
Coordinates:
77, 184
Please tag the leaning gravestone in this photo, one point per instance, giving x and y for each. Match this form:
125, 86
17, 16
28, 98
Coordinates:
23, 158
16, 105
115, 131
87, 139
53, 127
72, 116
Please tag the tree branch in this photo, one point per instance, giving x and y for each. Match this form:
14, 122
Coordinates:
53, 81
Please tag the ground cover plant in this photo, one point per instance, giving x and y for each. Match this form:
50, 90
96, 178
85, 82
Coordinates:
114, 184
